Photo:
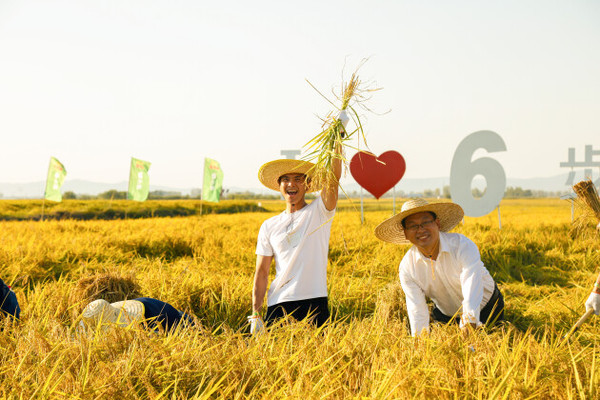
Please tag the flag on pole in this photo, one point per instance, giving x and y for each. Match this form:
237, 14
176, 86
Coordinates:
139, 181
213, 181
54, 181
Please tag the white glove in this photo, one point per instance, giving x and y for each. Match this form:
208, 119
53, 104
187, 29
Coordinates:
344, 118
593, 302
257, 326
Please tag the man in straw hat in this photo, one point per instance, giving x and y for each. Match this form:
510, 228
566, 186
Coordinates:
154, 313
445, 267
298, 241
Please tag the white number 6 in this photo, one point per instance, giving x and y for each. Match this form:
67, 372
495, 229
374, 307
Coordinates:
464, 169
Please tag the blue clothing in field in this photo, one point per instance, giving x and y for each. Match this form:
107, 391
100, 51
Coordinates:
160, 312
8, 302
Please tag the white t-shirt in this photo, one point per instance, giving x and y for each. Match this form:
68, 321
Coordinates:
457, 280
299, 242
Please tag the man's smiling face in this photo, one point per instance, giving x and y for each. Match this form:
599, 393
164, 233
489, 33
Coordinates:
422, 229
292, 187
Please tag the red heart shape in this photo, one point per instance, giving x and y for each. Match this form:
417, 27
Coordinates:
377, 174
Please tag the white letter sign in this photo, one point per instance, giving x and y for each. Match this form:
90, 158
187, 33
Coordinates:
464, 169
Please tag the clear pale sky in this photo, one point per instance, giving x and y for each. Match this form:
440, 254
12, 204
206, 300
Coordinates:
96, 82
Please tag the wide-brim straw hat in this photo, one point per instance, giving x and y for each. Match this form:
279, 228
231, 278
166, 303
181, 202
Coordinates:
270, 172
391, 230
121, 313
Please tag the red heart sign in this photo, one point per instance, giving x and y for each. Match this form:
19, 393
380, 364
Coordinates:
377, 174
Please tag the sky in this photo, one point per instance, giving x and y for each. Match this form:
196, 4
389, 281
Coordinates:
94, 83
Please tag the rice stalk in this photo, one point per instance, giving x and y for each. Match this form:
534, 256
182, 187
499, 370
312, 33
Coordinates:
586, 191
331, 143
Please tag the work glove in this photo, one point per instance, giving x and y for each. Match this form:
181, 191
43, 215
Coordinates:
344, 119
593, 302
257, 326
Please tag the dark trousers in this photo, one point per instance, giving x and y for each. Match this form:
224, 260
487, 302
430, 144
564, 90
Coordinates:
9, 306
316, 309
491, 313
159, 312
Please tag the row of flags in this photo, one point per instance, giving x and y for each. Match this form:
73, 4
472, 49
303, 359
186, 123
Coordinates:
139, 180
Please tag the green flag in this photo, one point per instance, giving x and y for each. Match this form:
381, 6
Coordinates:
54, 181
139, 182
213, 181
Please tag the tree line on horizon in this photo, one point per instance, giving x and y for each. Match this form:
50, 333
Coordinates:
444, 193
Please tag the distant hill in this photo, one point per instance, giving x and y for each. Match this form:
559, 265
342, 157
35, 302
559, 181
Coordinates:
36, 189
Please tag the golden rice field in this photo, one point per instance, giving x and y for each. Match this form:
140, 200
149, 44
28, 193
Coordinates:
205, 264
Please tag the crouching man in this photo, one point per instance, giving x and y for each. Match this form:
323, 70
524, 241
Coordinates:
445, 267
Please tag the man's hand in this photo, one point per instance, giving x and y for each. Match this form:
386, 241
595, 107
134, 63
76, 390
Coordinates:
257, 326
343, 117
468, 328
593, 302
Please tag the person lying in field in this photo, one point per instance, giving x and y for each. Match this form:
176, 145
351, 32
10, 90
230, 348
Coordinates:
298, 241
445, 267
9, 306
153, 314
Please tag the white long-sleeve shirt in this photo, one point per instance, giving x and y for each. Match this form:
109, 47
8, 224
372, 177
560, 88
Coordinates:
457, 279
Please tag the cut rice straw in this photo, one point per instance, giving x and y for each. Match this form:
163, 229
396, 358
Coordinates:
588, 201
322, 148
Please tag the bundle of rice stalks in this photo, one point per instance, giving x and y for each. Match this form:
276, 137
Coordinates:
587, 193
391, 303
589, 203
335, 134
109, 287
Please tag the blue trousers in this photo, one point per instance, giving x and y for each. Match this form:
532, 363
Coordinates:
9, 306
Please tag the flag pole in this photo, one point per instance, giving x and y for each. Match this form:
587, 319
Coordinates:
45, 188
202, 189
128, 182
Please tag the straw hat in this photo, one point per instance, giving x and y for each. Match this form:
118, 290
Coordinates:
270, 172
391, 230
121, 313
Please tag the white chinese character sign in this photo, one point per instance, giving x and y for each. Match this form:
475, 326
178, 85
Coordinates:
290, 154
464, 169
588, 163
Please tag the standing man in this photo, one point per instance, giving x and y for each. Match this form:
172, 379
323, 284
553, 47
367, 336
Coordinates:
445, 267
298, 241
